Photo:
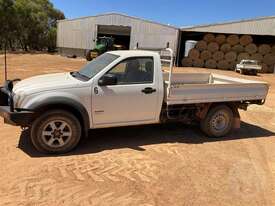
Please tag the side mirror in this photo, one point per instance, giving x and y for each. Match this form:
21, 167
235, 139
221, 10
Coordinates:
107, 79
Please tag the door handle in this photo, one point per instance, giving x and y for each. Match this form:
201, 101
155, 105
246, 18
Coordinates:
148, 90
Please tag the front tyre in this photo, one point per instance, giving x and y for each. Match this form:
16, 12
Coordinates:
56, 131
218, 122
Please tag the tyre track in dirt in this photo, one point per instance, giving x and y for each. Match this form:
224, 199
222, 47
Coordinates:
37, 191
78, 180
101, 169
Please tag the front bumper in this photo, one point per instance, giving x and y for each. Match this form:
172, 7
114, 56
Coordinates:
18, 118
11, 115
249, 68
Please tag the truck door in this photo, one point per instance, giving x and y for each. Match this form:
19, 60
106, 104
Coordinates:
132, 100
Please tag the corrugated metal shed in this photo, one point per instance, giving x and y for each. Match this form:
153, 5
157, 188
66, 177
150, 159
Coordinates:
257, 26
80, 33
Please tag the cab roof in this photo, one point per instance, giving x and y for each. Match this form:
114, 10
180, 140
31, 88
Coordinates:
133, 53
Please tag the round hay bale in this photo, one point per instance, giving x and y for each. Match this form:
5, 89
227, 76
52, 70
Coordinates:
194, 54
223, 64
243, 56
205, 55
186, 62
218, 55
220, 39
238, 48
264, 49
257, 56
198, 63
233, 39
211, 63
209, 38
201, 45
230, 56
226, 48
251, 48
245, 40
269, 59
213, 47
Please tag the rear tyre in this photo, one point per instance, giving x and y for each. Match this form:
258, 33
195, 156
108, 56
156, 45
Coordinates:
56, 132
218, 122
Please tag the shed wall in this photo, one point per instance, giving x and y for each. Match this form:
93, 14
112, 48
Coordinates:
81, 33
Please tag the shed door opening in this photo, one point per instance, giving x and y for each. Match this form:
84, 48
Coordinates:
121, 34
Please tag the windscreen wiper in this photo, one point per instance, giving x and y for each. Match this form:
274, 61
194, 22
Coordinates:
77, 75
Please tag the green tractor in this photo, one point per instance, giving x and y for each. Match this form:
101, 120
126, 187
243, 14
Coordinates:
103, 44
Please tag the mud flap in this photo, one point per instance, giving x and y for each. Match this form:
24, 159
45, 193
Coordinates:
237, 119
237, 123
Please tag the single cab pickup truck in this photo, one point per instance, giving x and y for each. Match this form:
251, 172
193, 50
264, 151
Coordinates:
123, 88
248, 67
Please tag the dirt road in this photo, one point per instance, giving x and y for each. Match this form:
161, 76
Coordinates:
146, 165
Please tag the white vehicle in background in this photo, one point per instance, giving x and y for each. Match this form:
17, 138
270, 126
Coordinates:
124, 88
248, 67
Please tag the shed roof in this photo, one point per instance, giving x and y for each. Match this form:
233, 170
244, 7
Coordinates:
257, 26
123, 15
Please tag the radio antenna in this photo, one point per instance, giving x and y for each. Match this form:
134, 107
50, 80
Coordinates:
5, 57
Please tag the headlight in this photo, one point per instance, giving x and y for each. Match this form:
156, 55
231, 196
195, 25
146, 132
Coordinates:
17, 99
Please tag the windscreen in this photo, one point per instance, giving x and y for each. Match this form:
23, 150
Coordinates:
250, 62
97, 65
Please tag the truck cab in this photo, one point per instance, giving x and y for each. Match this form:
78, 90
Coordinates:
128, 91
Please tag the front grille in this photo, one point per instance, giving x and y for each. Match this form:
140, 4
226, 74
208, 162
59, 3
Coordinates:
4, 98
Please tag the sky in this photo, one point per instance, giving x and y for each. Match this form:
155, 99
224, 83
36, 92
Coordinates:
174, 12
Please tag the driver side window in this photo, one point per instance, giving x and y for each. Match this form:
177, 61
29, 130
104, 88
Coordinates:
134, 71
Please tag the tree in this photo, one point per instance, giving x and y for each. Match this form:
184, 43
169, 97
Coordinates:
30, 24
7, 23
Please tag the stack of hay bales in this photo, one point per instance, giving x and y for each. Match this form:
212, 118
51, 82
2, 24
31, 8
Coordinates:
224, 52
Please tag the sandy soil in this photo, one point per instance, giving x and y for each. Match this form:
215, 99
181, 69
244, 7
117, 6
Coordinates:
146, 165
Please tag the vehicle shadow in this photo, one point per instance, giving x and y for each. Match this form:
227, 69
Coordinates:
138, 136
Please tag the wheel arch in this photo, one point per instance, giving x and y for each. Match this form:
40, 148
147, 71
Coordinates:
232, 105
66, 104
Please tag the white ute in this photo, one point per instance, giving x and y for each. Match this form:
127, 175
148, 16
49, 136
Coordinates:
123, 88
248, 67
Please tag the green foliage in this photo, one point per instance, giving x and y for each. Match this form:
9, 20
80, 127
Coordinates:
29, 24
